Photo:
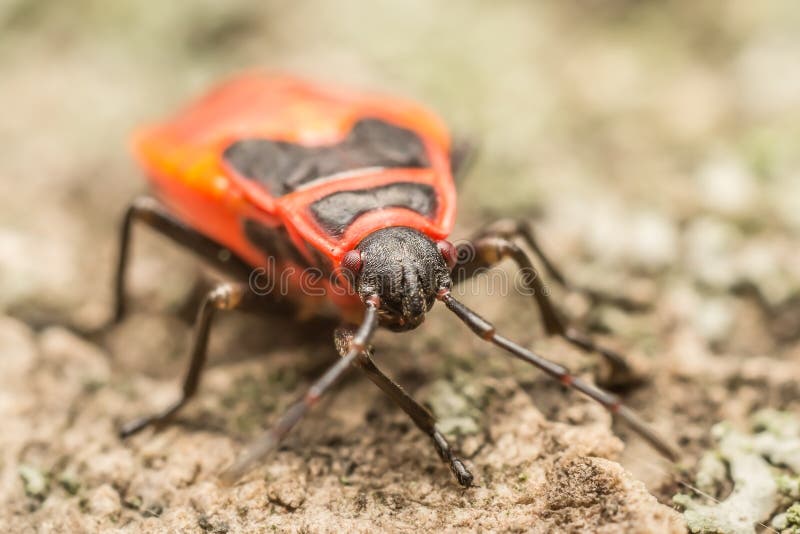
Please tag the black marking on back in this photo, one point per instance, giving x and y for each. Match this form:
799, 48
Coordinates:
282, 167
274, 242
336, 211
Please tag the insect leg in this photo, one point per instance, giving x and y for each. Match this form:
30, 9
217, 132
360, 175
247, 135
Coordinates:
492, 249
521, 229
423, 418
224, 296
151, 212
270, 439
486, 331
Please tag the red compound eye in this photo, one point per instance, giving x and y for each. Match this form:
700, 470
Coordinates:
352, 261
448, 252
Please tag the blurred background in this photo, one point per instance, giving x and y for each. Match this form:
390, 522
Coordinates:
677, 124
656, 146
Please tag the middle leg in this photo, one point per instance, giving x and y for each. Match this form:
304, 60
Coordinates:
490, 249
418, 413
225, 296
512, 229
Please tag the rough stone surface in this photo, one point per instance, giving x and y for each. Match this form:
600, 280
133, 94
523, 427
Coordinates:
652, 145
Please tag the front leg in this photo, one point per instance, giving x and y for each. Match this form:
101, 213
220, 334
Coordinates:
418, 413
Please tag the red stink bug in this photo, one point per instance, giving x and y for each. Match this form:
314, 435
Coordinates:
277, 170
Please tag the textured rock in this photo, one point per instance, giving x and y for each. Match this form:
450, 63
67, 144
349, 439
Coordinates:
653, 147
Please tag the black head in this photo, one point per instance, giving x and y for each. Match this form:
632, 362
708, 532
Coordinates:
406, 269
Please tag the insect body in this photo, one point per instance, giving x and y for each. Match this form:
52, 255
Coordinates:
274, 167
276, 171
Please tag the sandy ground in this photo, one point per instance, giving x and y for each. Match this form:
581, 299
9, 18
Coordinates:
656, 150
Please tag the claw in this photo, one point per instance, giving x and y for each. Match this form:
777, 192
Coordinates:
461, 472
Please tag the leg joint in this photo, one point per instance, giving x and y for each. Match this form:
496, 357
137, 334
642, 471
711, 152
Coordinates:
494, 249
225, 296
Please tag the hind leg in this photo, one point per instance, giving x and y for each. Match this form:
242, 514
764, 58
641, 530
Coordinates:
151, 212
